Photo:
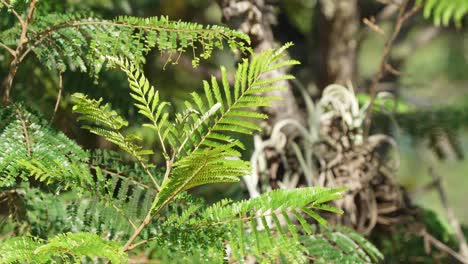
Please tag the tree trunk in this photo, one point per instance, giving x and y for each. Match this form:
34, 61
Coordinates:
338, 25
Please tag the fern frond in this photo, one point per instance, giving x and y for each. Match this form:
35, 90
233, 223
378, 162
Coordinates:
278, 206
235, 102
82, 40
220, 164
106, 123
341, 246
30, 148
69, 246
147, 101
273, 227
206, 153
445, 11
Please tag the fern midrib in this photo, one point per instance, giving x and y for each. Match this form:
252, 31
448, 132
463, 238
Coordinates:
245, 219
223, 115
154, 211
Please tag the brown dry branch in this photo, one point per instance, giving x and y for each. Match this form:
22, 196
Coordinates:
430, 240
403, 16
463, 248
25, 130
7, 83
59, 96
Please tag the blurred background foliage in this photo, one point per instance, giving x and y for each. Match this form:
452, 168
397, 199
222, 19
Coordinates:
434, 76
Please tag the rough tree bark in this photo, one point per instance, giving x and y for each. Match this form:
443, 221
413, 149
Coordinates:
338, 25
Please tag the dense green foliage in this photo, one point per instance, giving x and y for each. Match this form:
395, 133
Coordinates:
99, 208
62, 202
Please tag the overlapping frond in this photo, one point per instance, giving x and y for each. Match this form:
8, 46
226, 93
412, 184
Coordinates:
235, 103
341, 246
205, 151
277, 226
106, 123
147, 101
445, 11
31, 149
269, 221
81, 40
69, 247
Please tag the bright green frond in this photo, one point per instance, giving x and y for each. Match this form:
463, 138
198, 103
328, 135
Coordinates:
445, 11
82, 40
236, 102
107, 123
147, 100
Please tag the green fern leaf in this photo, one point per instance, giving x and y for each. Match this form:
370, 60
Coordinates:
445, 11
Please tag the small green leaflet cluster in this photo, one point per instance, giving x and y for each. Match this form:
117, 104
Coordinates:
341, 246
445, 11
106, 123
64, 248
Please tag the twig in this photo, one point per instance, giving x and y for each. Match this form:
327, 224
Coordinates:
10, 50
8, 81
121, 212
59, 96
463, 248
429, 239
121, 176
402, 17
25, 131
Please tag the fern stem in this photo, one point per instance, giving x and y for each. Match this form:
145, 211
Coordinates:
120, 176
25, 131
155, 211
10, 50
158, 188
76, 24
59, 96
121, 212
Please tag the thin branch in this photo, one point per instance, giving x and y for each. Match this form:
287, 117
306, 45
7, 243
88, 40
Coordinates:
121, 176
41, 36
10, 50
25, 131
23, 40
141, 243
121, 212
59, 96
429, 239
402, 17
463, 248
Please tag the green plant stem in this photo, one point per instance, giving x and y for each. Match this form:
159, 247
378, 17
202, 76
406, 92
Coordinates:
155, 211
